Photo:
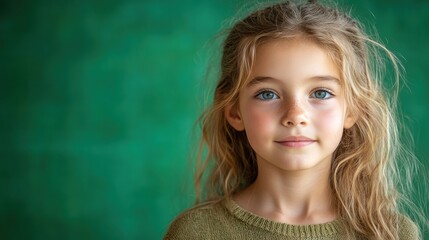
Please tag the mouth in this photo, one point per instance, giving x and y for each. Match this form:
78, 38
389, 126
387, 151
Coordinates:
296, 141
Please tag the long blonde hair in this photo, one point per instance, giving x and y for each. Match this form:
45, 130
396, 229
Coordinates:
364, 174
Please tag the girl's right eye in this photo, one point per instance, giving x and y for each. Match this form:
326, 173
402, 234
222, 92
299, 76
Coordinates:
267, 95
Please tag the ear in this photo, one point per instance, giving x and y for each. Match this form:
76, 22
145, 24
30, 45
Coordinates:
350, 120
233, 117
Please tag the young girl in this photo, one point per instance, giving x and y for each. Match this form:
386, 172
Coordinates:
301, 138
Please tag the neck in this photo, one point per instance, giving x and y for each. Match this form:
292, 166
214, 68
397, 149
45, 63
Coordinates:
294, 197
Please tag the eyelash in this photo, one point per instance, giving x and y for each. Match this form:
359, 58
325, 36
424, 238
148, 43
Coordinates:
276, 96
323, 90
260, 92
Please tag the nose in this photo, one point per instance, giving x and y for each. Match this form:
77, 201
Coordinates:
294, 114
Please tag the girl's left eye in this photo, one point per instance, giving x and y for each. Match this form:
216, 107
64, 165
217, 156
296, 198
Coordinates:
267, 95
322, 94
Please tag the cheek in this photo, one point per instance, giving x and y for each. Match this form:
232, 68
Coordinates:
330, 118
257, 117
259, 122
329, 126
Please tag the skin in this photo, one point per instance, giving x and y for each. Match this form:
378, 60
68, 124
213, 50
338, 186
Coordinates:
294, 112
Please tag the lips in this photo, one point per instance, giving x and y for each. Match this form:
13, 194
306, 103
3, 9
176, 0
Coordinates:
296, 141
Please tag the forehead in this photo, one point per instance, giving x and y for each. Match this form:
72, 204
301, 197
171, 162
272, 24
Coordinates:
296, 58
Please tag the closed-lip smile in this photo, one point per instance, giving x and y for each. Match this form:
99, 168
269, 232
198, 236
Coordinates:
296, 141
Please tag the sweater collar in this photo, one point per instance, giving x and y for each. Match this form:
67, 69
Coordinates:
297, 231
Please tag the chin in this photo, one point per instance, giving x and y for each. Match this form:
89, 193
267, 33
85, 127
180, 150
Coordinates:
299, 164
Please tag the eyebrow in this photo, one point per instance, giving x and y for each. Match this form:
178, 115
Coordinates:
261, 79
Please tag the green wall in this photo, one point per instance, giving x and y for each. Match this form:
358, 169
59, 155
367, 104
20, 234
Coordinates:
98, 100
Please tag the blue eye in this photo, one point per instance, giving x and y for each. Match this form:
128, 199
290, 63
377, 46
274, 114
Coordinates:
322, 94
267, 95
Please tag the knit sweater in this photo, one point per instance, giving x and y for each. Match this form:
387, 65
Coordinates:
227, 220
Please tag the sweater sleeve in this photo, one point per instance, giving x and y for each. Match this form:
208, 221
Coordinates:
408, 229
197, 223
183, 227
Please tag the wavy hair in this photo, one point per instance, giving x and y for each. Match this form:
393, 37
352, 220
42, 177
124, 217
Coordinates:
364, 175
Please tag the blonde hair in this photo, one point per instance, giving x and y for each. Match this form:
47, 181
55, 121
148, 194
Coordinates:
364, 174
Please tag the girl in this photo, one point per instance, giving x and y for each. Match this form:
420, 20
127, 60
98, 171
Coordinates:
301, 139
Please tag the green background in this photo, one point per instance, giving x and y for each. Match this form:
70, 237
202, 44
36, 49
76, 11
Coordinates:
98, 101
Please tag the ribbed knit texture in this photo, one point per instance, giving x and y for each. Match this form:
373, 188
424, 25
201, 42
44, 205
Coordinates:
227, 220
296, 231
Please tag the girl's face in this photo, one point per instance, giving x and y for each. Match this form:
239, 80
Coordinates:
293, 108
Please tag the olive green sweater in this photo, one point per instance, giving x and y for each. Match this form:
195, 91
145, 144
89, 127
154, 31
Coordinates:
227, 220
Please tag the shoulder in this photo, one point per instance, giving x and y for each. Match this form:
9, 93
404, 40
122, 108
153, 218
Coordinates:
408, 230
194, 223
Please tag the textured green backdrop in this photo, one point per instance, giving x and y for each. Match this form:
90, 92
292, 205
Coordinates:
98, 99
